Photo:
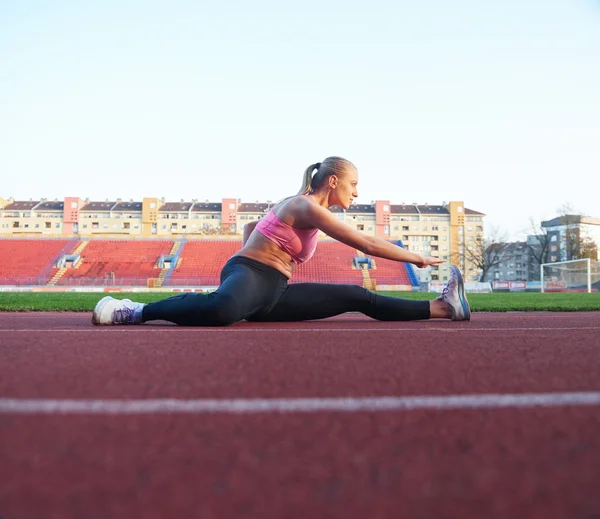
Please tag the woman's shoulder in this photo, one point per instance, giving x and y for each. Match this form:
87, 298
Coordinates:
297, 204
295, 210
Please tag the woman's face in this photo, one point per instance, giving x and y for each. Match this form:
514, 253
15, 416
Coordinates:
345, 187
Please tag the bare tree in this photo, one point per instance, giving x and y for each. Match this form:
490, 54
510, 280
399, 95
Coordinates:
538, 245
486, 253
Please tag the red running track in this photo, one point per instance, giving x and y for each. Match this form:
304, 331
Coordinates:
480, 456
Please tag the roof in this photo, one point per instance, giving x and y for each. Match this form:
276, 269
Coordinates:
20, 206
128, 206
175, 207
473, 213
201, 207
404, 209
98, 206
432, 209
51, 206
254, 208
571, 219
361, 208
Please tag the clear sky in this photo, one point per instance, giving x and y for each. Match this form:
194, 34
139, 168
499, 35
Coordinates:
493, 103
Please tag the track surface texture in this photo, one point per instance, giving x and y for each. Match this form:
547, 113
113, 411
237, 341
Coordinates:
341, 418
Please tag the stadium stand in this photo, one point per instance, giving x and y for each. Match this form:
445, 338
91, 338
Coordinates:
30, 262
388, 272
200, 262
117, 262
332, 263
194, 263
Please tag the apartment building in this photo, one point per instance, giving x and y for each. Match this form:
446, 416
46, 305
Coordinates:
434, 230
572, 237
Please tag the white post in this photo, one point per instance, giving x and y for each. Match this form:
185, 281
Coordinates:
589, 276
542, 277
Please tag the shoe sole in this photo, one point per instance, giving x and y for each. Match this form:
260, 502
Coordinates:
98, 310
461, 294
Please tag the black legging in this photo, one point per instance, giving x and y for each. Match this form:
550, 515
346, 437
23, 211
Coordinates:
256, 292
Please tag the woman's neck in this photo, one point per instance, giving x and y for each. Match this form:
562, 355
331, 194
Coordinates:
322, 198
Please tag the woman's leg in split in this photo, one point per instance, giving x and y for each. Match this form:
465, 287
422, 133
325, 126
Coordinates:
244, 290
306, 301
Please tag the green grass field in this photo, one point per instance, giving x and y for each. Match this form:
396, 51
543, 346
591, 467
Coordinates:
497, 302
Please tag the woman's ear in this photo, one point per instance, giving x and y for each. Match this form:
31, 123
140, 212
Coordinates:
333, 181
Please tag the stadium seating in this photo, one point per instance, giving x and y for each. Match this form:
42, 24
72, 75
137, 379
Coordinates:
29, 262
331, 263
117, 262
201, 261
388, 272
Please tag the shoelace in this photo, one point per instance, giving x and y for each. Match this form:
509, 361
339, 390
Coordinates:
123, 315
445, 290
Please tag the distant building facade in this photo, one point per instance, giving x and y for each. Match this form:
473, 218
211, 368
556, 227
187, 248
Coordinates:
566, 238
572, 237
517, 263
431, 230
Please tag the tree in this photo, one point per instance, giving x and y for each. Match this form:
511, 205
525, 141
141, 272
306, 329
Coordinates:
538, 245
486, 253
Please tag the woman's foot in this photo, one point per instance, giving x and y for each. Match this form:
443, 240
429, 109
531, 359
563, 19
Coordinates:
455, 298
452, 302
110, 311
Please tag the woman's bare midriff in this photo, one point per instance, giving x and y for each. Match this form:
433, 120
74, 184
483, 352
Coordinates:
264, 250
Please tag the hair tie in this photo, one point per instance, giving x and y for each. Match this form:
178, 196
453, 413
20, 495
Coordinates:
317, 165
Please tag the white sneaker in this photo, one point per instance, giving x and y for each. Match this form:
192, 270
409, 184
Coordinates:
454, 296
117, 311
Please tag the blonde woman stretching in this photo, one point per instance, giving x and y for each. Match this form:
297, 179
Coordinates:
254, 282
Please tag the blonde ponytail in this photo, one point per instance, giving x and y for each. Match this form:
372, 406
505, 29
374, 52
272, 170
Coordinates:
307, 179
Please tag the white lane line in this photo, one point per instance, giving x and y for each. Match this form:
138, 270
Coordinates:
336, 327
298, 405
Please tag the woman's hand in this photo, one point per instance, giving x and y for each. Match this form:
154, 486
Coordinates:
429, 260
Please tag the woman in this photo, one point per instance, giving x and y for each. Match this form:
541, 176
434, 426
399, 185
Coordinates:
254, 282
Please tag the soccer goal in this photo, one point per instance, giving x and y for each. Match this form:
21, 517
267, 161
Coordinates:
566, 276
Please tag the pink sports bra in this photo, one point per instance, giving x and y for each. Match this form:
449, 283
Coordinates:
300, 244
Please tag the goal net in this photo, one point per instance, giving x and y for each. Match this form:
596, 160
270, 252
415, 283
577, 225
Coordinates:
575, 275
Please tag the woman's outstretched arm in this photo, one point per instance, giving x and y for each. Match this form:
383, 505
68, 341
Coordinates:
324, 220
